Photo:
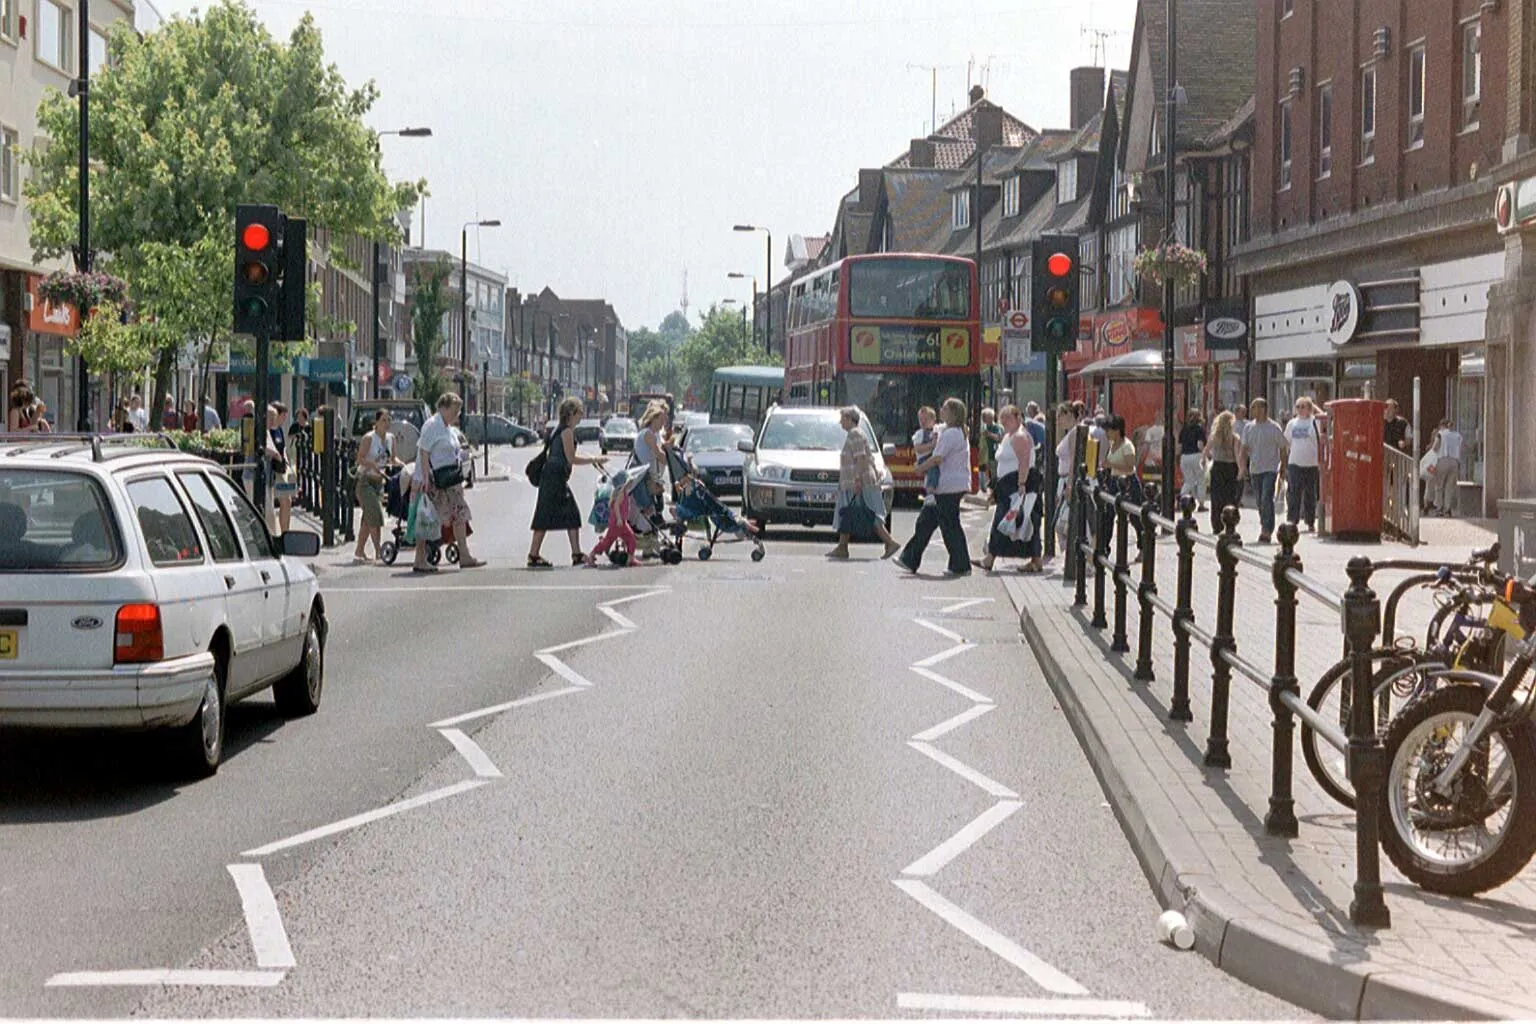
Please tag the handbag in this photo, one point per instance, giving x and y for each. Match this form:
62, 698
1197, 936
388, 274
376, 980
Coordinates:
535, 468
1428, 463
856, 519
451, 475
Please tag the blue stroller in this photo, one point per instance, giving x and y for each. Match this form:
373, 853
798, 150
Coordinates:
694, 502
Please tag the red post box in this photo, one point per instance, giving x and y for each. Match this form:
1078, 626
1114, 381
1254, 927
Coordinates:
1355, 468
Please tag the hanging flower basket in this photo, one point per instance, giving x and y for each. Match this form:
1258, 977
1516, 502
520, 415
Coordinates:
83, 291
1174, 262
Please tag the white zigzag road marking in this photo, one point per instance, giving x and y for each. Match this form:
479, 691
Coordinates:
947, 634
471, 751
964, 770
649, 592
564, 671
964, 691
949, 724
961, 606
934, 861
1103, 1008
367, 817
496, 709
584, 641
106, 979
944, 655
1040, 972
623, 621
268, 936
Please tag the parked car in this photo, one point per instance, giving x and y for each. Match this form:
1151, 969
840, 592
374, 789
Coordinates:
589, 430
791, 472
618, 435
406, 419
140, 589
466, 457
502, 430
715, 451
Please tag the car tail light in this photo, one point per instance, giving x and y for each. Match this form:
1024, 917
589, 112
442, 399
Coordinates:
139, 636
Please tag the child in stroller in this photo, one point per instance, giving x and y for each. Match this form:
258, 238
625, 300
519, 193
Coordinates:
695, 501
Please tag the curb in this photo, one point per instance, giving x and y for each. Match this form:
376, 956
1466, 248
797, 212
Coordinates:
1258, 952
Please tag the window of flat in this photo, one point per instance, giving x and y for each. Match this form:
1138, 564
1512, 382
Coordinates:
98, 55
54, 30
1471, 73
1325, 130
960, 210
8, 19
1066, 182
1417, 73
1368, 115
10, 177
1285, 145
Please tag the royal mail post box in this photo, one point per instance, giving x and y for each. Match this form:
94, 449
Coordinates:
1355, 468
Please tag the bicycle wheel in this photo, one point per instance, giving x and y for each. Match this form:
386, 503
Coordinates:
1482, 832
1396, 677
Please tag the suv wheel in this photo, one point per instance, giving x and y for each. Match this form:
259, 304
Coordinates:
298, 693
200, 743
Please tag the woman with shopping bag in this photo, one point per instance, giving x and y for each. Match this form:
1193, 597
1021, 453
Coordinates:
1017, 521
860, 505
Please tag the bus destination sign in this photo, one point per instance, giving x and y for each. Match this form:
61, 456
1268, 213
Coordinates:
888, 345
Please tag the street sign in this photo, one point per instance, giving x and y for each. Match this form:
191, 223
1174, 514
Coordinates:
1226, 326
402, 383
1018, 320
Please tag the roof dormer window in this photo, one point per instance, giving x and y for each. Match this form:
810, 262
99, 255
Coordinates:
960, 210
1066, 182
1011, 191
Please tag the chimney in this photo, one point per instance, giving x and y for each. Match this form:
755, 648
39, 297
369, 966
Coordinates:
1087, 95
869, 188
921, 154
977, 94
988, 125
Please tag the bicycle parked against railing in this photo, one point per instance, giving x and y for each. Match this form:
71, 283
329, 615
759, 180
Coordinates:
1461, 778
1459, 636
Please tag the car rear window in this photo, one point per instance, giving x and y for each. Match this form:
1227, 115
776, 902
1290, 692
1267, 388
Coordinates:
53, 521
168, 532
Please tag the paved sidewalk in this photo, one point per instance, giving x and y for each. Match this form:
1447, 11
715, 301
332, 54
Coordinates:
1274, 912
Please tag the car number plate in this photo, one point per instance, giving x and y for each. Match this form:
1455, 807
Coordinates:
819, 498
728, 478
9, 644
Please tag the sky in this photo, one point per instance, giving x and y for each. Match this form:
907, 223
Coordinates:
618, 141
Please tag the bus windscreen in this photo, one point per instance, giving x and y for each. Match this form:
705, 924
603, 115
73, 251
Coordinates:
909, 289
891, 401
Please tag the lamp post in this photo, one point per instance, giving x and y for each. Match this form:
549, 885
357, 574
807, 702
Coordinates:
374, 273
485, 422
743, 305
81, 87
1170, 118
738, 276
767, 284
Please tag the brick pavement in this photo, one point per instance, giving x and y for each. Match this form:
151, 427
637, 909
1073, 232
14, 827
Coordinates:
1274, 912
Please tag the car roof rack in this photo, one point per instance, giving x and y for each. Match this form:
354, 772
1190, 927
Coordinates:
12, 444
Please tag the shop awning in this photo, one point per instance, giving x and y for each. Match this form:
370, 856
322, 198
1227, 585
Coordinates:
1142, 362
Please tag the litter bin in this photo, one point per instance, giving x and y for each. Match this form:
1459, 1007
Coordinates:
1517, 536
1354, 468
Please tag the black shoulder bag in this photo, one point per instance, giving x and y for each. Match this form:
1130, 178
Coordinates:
535, 468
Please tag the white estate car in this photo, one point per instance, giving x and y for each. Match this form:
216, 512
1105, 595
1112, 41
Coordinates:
139, 589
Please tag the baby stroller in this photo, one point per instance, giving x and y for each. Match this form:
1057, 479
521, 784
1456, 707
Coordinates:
398, 508
696, 502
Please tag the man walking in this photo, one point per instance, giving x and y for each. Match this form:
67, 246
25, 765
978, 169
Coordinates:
1304, 442
1263, 459
1397, 433
1444, 485
138, 414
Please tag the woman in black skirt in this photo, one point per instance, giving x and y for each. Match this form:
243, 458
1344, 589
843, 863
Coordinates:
556, 508
1016, 462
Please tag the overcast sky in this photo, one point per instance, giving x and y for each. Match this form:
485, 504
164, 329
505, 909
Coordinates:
619, 140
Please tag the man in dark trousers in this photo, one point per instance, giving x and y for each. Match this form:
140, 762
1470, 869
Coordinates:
1398, 434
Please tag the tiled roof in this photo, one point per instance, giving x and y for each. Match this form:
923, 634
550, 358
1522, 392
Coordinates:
814, 247
954, 143
1217, 59
1231, 126
918, 205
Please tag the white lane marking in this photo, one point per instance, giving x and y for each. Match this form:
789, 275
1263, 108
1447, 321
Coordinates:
484, 587
968, 603
1102, 1008
948, 634
368, 817
933, 862
584, 641
623, 621
268, 937
951, 597
232, 979
964, 770
1040, 972
950, 724
564, 671
496, 709
649, 592
964, 691
944, 655
472, 752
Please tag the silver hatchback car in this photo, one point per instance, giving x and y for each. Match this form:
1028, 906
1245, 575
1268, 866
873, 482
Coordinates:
791, 471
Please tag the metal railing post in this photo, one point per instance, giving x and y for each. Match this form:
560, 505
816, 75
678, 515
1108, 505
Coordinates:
1145, 593
1101, 518
1080, 497
1183, 612
1281, 819
1119, 642
327, 459
1367, 768
1072, 570
1216, 750
344, 495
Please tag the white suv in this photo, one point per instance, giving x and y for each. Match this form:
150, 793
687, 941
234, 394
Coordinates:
139, 588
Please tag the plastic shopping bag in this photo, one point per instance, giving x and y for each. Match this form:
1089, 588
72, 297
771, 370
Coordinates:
410, 520
428, 522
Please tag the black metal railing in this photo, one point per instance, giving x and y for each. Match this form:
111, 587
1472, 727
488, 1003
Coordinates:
323, 464
1097, 514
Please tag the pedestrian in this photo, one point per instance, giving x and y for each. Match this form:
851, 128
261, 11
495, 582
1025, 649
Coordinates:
1035, 427
22, 401
556, 508
189, 416
1445, 483
1120, 462
991, 436
1192, 439
1398, 432
1304, 441
138, 414
375, 457
951, 456
923, 440
620, 507
211, 420
650, 454
40, 418
1032, 414
285, 482
1263, 458
169, 420
437, 456
860, 505
1222, 452
1017, 474
1068, 415
120, 422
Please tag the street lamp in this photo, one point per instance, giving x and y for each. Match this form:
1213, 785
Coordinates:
485, 421
767, 285
404, 133
1170, 119
81, 87
738, 276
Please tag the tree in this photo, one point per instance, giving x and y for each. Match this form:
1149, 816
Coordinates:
675, 329
188, 121
428, 307
110, 344
721, 340
645, 344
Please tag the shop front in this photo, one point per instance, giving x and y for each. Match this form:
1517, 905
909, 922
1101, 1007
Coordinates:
44, 363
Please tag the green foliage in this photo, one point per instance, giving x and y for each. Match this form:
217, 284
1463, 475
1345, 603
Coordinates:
225, 440
656, 373
675, 329
523, 393
645, 344
722, 340
83, 291
111, 346
427, 310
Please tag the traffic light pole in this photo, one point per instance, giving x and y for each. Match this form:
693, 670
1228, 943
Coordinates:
259, 422
377, 342
1049, 455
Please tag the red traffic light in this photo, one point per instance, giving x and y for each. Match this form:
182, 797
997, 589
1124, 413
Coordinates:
1059, 264
256, 237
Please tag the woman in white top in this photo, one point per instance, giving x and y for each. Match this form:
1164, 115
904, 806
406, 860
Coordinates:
1015, 463
858, 490
648, 453
952, 456
436, 449
375, 456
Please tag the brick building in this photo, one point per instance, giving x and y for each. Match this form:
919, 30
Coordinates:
1378, 123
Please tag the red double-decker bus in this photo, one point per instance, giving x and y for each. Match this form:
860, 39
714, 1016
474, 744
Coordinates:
889, 333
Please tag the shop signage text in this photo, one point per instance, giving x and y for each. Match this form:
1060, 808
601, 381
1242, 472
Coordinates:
1342, 312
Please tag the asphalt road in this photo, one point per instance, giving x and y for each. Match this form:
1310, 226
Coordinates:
792, 788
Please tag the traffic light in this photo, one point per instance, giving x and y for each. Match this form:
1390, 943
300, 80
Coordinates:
258, 241
1054, 287
295, 280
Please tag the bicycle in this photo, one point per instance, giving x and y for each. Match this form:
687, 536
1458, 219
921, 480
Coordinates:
1460, 786
1458, 637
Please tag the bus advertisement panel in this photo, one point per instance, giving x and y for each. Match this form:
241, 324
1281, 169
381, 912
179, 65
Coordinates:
889, 333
